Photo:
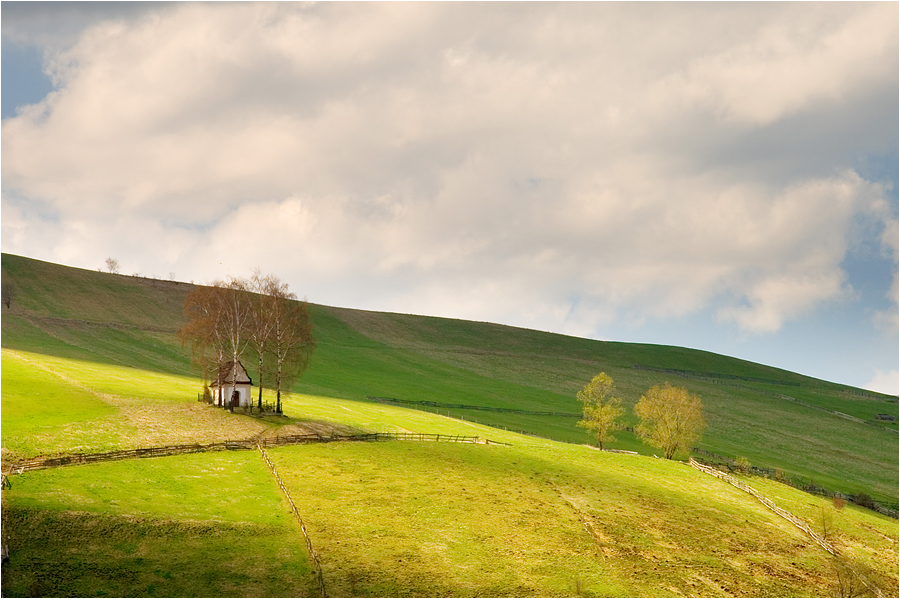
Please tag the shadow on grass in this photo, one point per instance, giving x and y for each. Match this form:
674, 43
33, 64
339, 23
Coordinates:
78, 554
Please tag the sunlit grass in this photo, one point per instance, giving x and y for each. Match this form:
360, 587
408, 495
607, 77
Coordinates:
401, 519
859, 534
162, 411
35, 400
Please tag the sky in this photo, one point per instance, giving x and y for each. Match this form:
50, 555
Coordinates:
721, 176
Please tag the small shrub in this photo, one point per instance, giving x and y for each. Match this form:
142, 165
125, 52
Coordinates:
826, 522
852, 578
838, 502
864, 500
742, 464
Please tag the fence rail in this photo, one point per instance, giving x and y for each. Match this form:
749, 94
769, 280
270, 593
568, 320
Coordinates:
768, 503
799, 523
809, 487
459, 406
89, 458
312, 552
316, 438
124, 454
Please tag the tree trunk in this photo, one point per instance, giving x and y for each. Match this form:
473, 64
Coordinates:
233, 380
278, 390
259, 372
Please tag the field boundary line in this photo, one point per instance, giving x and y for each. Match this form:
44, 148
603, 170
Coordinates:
726, 381
39, 463
456, 406
798, 522
309, 545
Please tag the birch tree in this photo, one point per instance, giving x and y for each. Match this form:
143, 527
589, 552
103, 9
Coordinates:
228, 317
237, 315
292, 343
261, 328
671, 419
600, 408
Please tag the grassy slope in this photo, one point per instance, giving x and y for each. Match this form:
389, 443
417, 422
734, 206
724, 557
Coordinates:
64, 312
447, 361
536, 518
546, 519
189, 526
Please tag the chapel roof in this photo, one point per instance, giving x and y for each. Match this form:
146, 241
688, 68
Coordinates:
225, 374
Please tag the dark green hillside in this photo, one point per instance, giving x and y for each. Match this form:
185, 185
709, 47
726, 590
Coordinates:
94, 316
53, 291
131, 322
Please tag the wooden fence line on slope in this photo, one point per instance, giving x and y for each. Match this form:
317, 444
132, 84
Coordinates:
811, 488
799, 523
166, 450
309, 545
459, 406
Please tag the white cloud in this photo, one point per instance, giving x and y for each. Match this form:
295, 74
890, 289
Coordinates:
558, 166
775, 299
884, 382
810, 56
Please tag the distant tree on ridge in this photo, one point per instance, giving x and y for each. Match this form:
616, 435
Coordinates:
112, 265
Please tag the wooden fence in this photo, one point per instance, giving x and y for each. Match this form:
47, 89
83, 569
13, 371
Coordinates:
124, 454
799, 523
316, 438
89, 458
768, 503
309, 545
806, 487
460, 406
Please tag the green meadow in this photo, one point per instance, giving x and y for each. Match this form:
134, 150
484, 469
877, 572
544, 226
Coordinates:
456, 519
91, 362
198, 525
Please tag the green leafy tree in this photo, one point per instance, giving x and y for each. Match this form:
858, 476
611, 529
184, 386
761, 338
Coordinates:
601, 410
671, 419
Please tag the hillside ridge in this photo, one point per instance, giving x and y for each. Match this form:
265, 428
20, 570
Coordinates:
92, 367
498, 375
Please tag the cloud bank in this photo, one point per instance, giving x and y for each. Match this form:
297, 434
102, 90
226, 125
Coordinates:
561, 166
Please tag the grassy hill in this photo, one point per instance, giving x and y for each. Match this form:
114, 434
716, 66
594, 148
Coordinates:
130, 322
91, 363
